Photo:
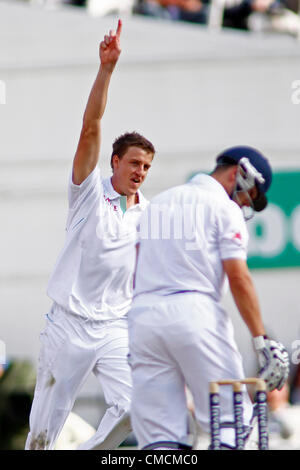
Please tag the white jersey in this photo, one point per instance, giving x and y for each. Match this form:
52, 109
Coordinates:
93, 276
188, 230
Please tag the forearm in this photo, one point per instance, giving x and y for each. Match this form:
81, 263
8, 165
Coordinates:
87, 153
98, 97
245, 297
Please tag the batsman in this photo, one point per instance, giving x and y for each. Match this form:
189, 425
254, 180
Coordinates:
179, 333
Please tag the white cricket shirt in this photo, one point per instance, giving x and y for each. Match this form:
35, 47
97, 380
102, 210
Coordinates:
93, 276
185, 233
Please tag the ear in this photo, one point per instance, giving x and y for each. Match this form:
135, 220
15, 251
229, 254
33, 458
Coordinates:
232, 174
231, 179
115, 162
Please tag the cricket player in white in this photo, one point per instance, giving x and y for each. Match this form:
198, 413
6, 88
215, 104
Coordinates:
191, 237
91, 285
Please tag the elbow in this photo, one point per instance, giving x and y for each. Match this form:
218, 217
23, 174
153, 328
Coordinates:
90, 130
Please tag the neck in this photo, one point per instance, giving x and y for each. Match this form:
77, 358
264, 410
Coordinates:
116, 186
221, 178
132, 199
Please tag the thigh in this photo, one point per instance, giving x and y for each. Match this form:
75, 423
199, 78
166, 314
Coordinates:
52, 342
205, 349
158, 409
208, 366
66, 358
198, 334
112, 368
62, 369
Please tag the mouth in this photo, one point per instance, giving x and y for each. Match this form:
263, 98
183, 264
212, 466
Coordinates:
136, 181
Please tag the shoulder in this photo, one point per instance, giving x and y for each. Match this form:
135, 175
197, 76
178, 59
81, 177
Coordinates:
229, 214
93, 178
90, 188
165, 196
235, 211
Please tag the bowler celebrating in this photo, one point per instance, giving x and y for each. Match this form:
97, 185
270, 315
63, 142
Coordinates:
91, 285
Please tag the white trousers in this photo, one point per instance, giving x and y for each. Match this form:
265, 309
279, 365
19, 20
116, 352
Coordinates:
72, 348
178, 340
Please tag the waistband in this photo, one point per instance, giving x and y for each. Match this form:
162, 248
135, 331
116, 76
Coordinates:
149, 298
57, 310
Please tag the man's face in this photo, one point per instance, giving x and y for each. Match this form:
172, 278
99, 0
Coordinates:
242, 198
131, 170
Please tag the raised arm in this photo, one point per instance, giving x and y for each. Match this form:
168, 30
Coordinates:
87, 153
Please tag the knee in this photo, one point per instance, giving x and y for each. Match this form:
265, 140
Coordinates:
120, 411
121, 406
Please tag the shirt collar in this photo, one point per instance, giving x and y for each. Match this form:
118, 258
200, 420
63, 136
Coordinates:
113, 194
143, 202
209, 182
109, 189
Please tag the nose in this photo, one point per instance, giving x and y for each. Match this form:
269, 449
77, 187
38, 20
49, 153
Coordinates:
140, 171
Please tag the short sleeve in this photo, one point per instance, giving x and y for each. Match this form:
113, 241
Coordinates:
82, 197
232, 232
78, 192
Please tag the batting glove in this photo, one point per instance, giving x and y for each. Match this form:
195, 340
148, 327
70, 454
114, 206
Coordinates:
273, 361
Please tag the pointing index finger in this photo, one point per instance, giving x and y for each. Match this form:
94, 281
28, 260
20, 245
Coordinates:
119, 28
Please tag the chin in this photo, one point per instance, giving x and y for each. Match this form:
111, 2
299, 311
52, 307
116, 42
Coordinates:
132, 191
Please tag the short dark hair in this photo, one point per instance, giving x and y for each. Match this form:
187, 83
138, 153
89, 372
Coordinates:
224, 165
130, 139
